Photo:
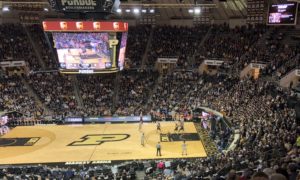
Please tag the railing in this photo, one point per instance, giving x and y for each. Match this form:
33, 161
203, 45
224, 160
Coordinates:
44, 71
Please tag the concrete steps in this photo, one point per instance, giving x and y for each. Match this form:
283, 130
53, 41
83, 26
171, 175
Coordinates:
35, 97
157, 82
77, 91
35, 47
116, 91
145, 56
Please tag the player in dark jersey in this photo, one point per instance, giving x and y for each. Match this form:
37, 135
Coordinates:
176, 127
141, 117
181, 127
158, 127
141, 121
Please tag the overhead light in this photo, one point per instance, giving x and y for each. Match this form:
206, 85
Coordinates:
144, 10
46, 9
191, 11
119, 10
127, 10
136, 11
197, 10
5, 9
152, 10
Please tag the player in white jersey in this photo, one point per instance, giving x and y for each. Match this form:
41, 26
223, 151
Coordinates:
143, 139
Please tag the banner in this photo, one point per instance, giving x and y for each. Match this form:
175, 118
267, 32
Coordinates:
12, 63
85, 26
74, 120
118, 119
83, 5
167, 60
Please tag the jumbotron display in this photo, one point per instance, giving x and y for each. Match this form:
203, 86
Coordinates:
83, 50
282, 14
88, 47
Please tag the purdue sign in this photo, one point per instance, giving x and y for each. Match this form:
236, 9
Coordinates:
84, 5
79, 4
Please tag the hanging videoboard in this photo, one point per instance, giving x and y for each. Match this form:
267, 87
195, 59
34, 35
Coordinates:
88, 47
282, 14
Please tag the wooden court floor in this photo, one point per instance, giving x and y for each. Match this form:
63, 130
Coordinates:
100, 142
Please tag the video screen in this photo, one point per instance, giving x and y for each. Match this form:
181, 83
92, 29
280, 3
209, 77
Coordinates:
282, 14
85, 51
122, 50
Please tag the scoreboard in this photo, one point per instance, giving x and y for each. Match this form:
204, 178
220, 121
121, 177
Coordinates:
88, 47
283, 14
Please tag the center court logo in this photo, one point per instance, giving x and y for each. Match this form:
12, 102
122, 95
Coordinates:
97, 139
24, 141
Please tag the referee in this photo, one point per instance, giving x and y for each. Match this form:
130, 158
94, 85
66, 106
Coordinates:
158, 149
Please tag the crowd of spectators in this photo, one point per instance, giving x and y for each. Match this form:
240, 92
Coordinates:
280, 58
266, 123
257, 108
97, 94
138, 37
55, 91
134, 89
47, 172
15, 97
124, 171
172, 88
230, 44
176, 41
45, 50
15, 45
222, 167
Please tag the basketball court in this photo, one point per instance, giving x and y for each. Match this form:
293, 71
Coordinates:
100, 142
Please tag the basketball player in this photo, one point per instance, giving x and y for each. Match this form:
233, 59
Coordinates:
158, 149
158, 127
176, 126
140, 126
170, 137
184, 148
143, 139
181, 128
181, 125
141, 117
141, 120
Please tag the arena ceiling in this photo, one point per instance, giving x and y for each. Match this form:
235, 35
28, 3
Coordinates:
175, 9
179, 9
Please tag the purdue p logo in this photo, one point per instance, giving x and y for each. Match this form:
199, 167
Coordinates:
97, 139
113, 42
